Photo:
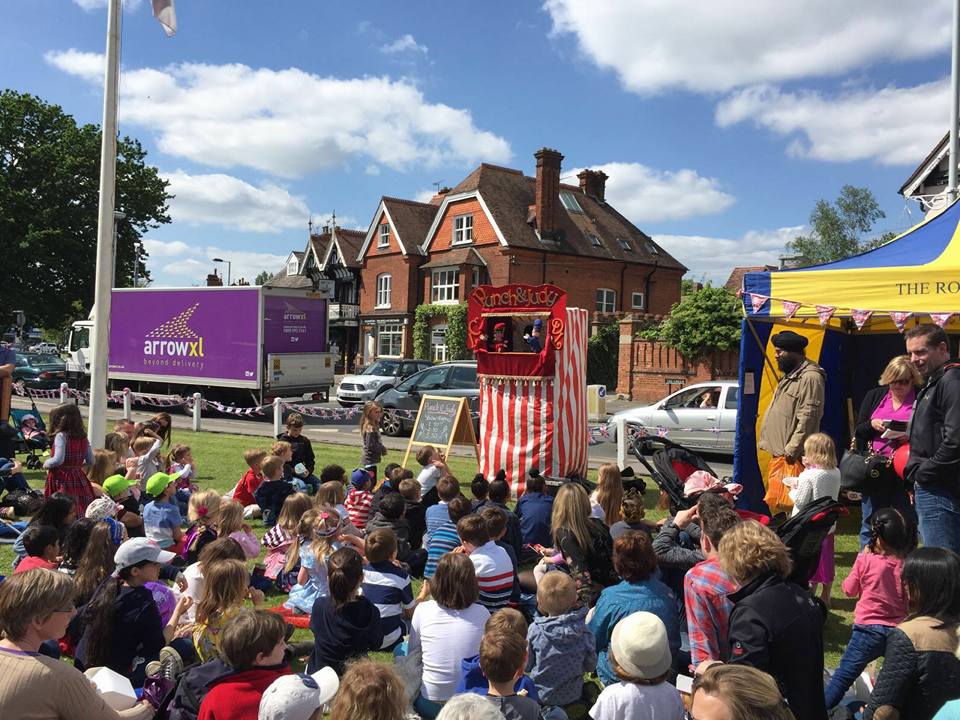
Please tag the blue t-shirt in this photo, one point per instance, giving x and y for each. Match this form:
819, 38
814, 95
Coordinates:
160, 519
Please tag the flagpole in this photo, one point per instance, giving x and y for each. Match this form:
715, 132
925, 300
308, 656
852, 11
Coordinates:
100, 341
954, 104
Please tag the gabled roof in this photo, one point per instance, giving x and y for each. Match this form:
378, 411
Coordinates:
409, 221
348, 242
735, 281
927, 166
456, 256
508, 196
317, 248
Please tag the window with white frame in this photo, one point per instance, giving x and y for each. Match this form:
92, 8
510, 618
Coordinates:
384, 240
606, 300
479, 276
445, 286
438, 343
384, 285
390, 340
462, 229
570, 202
637, 301
293, 266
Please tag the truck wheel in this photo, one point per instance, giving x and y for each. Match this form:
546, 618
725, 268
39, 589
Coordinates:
390, 424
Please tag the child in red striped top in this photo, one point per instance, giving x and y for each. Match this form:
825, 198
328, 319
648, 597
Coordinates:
491, 562
359, 498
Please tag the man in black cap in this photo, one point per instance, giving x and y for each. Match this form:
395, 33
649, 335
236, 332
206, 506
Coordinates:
793, 415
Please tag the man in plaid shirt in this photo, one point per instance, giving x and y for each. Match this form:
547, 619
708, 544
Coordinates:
706, 585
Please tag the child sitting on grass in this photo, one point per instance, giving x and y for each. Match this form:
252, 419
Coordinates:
391, 517
561, 646
436, 515
230, 524
280, 537
253, 650
181, 462
496, 522
273, 491
345, 624
117, 487
502, 659
301, 455
480, 488
332, 473
434, 467
414, 511
42, 543
472, 680
245, 488
302, 697
226, 586
333, 493
369, 691
386, 486
213, 554
359, 498
495, 574
146, 452
445, 538
161, 516
387, 586
203, 512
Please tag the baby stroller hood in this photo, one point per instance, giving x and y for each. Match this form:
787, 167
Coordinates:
672, 464
804, 533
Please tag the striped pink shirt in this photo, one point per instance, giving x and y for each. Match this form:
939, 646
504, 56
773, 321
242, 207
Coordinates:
358, 507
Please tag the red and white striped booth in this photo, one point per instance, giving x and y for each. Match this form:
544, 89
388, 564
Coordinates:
533, 405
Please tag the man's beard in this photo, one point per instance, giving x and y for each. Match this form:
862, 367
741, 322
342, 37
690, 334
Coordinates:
788, 363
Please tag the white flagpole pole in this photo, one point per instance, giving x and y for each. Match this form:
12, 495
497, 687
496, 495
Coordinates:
954, 103
100, 342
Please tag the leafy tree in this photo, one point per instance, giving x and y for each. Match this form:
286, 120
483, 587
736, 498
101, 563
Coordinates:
603, 353
262, 277
839, 228
707, 321
49, 186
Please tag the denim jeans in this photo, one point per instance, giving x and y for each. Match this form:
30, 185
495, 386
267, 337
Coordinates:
867, 643
939, 513
877, 501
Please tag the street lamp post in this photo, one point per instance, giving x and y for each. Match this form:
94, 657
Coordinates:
221, 260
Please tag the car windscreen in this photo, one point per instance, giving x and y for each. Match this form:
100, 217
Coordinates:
382, 367
43, 359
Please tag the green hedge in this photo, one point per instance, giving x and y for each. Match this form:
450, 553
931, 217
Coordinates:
456, 317
603, 352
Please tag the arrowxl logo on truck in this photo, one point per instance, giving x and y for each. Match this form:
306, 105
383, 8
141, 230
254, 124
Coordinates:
175, 340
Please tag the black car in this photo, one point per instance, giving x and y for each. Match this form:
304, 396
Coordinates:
452, 379
41, 372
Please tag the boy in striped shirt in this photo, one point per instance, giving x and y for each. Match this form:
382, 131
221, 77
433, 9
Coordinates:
491, 562
359, 498
445, 538
387, 586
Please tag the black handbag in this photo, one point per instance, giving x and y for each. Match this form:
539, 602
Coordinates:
865, 472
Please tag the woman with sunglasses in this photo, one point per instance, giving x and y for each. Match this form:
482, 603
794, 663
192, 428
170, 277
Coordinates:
737, 692
883, 407
36, 606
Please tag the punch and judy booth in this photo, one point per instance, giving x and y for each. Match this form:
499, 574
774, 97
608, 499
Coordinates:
531, 352
853, 313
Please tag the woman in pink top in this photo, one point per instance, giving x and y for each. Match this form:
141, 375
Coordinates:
890, 403
875, 577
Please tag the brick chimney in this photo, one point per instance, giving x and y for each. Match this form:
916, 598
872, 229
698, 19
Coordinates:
593, 183
548, 191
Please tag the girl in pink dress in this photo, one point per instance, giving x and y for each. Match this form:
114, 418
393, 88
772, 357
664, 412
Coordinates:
71, 451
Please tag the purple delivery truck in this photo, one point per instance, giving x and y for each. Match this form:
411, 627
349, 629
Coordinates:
243, 345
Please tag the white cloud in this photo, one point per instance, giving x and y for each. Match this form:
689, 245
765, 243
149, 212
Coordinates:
892, 126
97, 4
654, 45
713, 258
425, 195
174, 263
290, 122
85, 65
405, 43
644, 194
231, 202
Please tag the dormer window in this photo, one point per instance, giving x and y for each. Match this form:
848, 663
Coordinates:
652, 249
462, 229
625, 244
384, 239
570, 202
293, 265
595, 240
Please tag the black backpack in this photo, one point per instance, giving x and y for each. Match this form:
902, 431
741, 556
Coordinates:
600, 555
183, 701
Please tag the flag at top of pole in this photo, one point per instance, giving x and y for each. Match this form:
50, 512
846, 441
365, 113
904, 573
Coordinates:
164, 11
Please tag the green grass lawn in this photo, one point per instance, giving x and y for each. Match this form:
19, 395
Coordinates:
219, 459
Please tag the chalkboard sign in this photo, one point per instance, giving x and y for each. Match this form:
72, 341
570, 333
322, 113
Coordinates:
442, 422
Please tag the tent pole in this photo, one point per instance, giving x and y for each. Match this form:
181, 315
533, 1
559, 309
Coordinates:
954, 104
763, 349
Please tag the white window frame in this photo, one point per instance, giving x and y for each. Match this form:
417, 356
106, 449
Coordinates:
608, 299
438, 350
570, 202
638, 305
393, 335
384, 290
384, 237
293, 266
463, 229
476, 275
445, 286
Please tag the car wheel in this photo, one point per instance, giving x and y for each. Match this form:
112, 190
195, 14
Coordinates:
390, 424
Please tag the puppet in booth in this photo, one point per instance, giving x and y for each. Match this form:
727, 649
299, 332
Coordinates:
499, 342
531, 335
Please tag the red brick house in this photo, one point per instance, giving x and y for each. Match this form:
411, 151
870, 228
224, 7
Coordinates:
499, 226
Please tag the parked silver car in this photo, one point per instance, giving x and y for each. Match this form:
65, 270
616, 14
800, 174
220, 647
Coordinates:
377, 377
701, 417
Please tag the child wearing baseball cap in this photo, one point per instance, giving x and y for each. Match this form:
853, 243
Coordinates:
117, 487
161, 517
640, 657
299, 697
121, 625
359, 498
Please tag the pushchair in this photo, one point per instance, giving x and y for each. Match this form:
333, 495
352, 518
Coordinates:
804, 533
671, 465
28, 440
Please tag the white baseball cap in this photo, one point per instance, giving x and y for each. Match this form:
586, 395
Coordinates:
298, 697
137, 550
640, 647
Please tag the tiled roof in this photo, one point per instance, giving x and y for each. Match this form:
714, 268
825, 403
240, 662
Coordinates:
456, 256
735, 281
510, 197
350, 243
412, 220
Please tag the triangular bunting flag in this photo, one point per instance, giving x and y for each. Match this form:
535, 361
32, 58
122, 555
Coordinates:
825, 312
860, 317
758, 301
790, 308
941, 319
900, 318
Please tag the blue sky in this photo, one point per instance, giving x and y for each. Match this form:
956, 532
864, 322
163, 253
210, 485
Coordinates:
720, 125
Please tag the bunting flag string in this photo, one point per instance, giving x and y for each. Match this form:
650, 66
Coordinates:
825, 312
941, 319
860, 317
758, 301
900, 318
790, 308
